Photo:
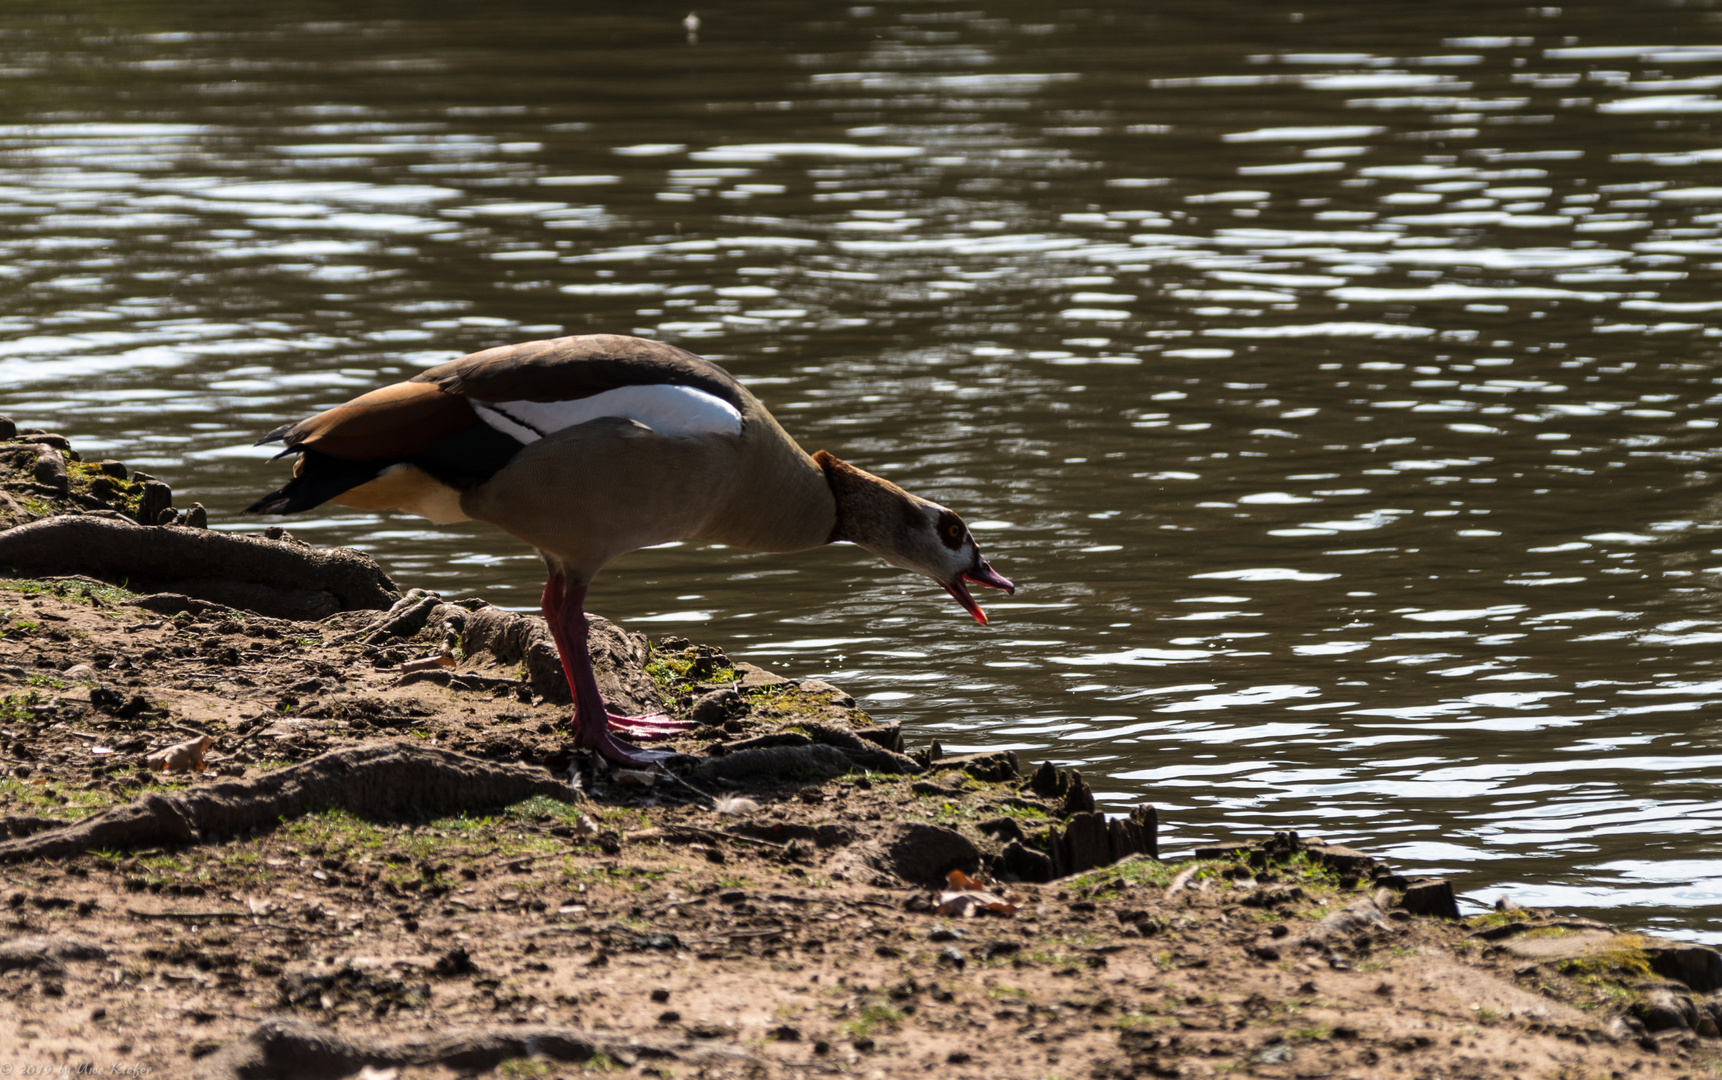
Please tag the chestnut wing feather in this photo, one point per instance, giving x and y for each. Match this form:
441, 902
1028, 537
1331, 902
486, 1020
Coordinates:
390, 422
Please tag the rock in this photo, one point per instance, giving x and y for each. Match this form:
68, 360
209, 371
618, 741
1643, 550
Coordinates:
839, 697
719, 705
1696, 966
197, 517
1081, 846
1088, 840
50, 471
1343, 859
157, 497
752, 676
1003, 829
1025, 863
8, 429
1068, 785
1433, 898
1046, 781
1662, 1010
997, 767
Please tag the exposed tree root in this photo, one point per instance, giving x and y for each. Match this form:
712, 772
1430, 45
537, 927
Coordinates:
292, 1050
46, 954
618, 655
863, 753
279, 578
374, 781
814, 759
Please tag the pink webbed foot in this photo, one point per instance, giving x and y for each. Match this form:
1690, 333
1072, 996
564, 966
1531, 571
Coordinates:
648, 725
599, 740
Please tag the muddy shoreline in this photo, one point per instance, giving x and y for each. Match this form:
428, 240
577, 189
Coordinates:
382, 856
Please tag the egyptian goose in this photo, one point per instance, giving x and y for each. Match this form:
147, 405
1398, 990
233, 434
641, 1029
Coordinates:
589, 447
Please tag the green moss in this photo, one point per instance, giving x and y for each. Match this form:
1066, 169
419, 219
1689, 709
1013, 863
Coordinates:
16, 707
92, 593
544, 808
679, 667
873, 1017
1490, 919
621, 817
1136, 871
1621, 957
54, 800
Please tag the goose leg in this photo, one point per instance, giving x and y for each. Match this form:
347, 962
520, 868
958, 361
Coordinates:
644, 726
564, 610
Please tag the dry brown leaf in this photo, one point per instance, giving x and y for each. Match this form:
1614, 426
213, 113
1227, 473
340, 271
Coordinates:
967, 898
634, 777
181, 757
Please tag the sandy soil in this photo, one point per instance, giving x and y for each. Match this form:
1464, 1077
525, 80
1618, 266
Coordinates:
763, 916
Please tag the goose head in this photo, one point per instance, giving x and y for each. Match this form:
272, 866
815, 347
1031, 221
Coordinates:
910, 532
957, 560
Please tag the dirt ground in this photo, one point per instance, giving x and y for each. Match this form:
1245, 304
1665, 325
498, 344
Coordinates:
390, 866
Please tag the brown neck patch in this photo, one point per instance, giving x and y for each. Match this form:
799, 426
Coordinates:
871, 511
837, 478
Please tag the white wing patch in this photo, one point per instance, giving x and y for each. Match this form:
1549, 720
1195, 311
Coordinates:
665, 408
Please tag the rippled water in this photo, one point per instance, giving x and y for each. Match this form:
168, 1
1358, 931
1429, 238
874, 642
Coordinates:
1340, 386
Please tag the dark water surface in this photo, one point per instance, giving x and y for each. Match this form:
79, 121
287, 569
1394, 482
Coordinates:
1340, 386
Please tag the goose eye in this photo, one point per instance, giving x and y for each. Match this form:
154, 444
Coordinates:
954, 531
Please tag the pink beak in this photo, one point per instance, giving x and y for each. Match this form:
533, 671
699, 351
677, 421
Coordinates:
980, 574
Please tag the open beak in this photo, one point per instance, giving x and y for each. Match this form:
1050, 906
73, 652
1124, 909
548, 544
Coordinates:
981, 574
